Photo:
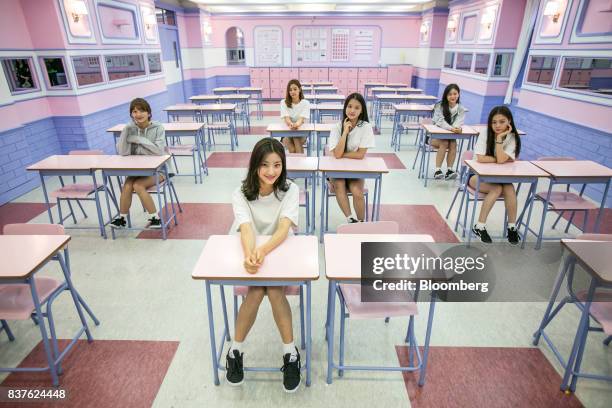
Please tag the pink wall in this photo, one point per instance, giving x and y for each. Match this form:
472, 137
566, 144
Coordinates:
438, 31
43, 35
427, 73
190, 33
13, 28
509, 23
214, 71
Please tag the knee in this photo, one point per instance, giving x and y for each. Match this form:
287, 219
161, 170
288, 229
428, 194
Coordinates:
340, 186
508, 190
497, 189
357, 192
256, 294
453, 145
443, 143
139, 188
275, 293
128, 187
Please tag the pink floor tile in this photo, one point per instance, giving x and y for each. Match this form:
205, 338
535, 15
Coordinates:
605, 227
14, 213
419, 219
229, 159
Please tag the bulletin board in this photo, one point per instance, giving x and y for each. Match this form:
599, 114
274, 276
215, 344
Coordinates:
335, 45
268, 46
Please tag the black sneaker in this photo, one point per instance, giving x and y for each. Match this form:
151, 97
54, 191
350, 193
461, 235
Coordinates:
483, 234
513, 236
234, 370
353, 220
450, 175
154, 223
438, 175
291, 372
118, 223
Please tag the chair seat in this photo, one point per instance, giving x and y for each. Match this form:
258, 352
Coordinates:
564, 200
372, 310
410, 125
302, 198
181, 150
74, 191
601, 309
16, 300
153, 189
218, 125
289, 290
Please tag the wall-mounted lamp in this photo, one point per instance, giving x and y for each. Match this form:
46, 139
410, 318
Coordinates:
78, 9
149, 21
424, 29
451, 26
487, 20
553, 10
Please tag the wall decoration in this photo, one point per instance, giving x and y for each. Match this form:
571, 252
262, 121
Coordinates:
268, 46
340, 44
77, 19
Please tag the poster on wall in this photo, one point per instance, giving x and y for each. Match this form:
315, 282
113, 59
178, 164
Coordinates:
310, 44
269, 46
340, 44
335, 45
363, 44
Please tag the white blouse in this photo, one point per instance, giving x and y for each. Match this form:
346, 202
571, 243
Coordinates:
297, 111
361, 136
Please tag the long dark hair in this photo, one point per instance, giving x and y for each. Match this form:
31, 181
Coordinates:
250, 185
288, 100
505, 111
444, 102
363, 116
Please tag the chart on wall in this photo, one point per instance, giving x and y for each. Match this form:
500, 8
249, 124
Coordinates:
325, 45
268, 46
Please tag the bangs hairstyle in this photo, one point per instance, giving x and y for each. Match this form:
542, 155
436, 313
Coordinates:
501, 110
444, 102
142, 105
250, 185
288, 97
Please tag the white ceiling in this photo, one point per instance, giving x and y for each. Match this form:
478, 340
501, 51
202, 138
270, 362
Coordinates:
315, 6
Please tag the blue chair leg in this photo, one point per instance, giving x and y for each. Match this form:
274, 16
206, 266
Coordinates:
7, 329
52, 332
302, 320
235, 309
605, 342
82, 209
71, 211
410, 341
569, 223
558, 218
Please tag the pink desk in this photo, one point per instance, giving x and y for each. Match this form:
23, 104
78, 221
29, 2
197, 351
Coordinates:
434, 132
325, 90
412, 113
221, 263
321, 110
257, 95
340, 268
312, 98
366, 168
204, 99
573, 172
323, 130
225, 90
22, 256
306, 168
317, 84
594, 258
408, 91
519, 171
282, 130
223, 114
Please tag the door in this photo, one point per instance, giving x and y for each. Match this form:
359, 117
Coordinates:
173, 66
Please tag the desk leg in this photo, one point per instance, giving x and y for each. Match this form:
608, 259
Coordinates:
314, 202
308, 333
308, 143
211, 328
159, 202
44, 188
330, 332
476, 194
544, 211
531, 198
107, 180
432, 306
43, 332
323, 196
378, 201
98, 206
601, 208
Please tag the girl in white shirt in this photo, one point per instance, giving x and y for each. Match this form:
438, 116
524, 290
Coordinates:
448, 114
294, 111
351, 139
265, 204
500, 144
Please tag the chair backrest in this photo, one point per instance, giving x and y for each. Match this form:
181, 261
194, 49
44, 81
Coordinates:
467, 155
33, 229
595, 237
553, 158
296, 154
378, 227
86, 152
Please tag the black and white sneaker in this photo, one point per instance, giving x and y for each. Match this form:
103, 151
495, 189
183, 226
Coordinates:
352, 220
291, 371
118, 222
513, 236
483, 234
154, 223
438, 175
234, 369
450, 175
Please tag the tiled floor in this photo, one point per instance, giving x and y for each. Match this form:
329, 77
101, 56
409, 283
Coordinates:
142, 291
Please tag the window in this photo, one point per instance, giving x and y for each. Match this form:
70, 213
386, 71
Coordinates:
56, 72
595, 18
541, 70
154, 61
234, 42
502, 65
481, 65
165, 16
587, 74
464, 61
124, 66
468, 28
19, 73
117, 22
449, 58
87, 70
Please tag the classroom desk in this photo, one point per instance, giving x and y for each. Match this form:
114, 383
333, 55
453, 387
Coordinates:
396, 85
519, 171
24, 255
367, 87
204, 99
342, 268
325, 90
73, 165
214, 113
140, 166
366, 168
242, 101
306, 168
323, 131
419, 98
178, 130
316, 98
175, 112
327, 109
434, 132
382, 101
409, 112
282, 130
408, 91
224, 90
594, 258
574, 172
221, 263
257, 95
317, 84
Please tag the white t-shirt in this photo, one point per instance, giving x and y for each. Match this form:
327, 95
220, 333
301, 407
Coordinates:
265, 212
296, 111
509, 145
360, 137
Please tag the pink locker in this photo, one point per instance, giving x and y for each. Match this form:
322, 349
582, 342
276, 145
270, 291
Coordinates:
351, 86
323, 74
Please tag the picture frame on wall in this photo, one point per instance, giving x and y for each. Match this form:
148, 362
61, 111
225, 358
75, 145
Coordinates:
118, 22
77, 17
269, 46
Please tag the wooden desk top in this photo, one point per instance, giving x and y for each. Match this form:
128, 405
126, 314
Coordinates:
519, 168
282, 127
302, 163
365, 165
595, 255
436, 130
22, 255
574, 168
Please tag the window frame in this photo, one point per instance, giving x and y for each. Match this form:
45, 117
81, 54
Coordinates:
45, 73
10, 80
102, 71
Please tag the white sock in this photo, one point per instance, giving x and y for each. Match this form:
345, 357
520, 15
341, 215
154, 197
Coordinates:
236, 345
290, 349
511, 225
123, 215
480, 225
